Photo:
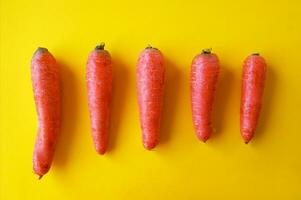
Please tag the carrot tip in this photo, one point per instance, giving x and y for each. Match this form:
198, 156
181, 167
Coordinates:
203, 138
149, 146
40, 50
101, 152
100, 46
246, 142
40, 177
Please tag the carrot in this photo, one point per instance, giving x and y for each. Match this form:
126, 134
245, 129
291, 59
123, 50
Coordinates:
46, 89
99, 87
150, 88
253, 78
203, 79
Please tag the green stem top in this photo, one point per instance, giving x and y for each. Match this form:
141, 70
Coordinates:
150, 47
100, 46
207, 51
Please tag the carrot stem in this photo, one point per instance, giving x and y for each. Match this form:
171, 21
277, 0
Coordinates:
207, 51
150, 47
100, 46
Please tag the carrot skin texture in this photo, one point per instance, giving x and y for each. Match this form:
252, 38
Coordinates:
46, 89
99, 87
253, 81
150, 75
203, 79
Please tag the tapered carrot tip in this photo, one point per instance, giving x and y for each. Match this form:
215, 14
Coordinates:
101, 151
149, 146
203, 138
247, 137
247, 140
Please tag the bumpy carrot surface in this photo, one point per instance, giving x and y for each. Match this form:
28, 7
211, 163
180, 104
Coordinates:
46, 88
99, 86
253, 79
150, 88
203, 78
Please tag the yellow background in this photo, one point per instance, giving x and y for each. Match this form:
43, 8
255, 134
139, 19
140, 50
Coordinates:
181, 167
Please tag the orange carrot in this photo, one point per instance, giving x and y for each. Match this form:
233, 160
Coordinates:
46, 88
150, 87
203, 78
99, 87
253, 78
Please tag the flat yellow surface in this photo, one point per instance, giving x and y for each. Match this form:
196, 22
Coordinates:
181, 167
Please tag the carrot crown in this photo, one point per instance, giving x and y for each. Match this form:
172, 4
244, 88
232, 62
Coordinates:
207, 51
100, 46
150, 47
